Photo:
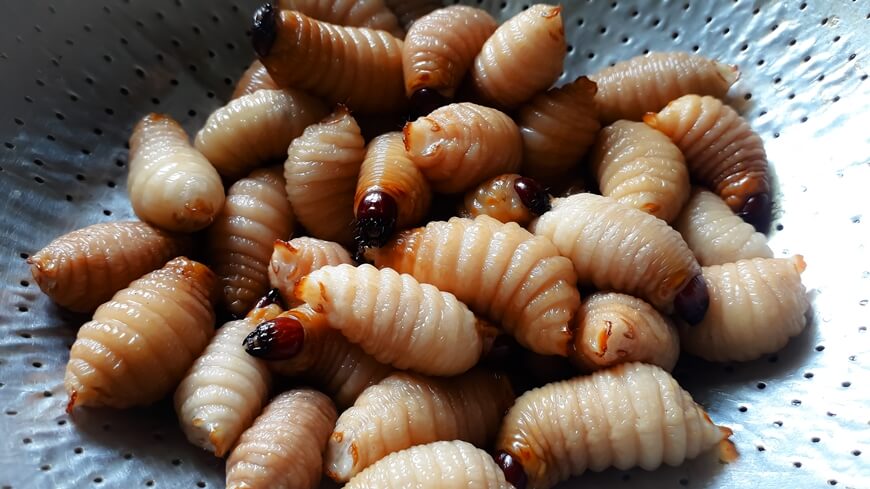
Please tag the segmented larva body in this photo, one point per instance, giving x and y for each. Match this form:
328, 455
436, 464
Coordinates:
524, 56
84, 268
499, 199
501, 271
284, 448
374, 14
225, 388
442, 465
256, 77
294, 259
642, 84
615, 328
255, 129
408, 11
461, 145
171, 184
630, 415
441, 46
396, 319
616, 247
240, 241
406, 409
321, 170
558, 127
140, 344
641, 168
756, 305
715, 234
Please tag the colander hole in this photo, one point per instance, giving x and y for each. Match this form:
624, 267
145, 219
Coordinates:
216, 19
61, 422
155, 100
98, 480
821, 78
779, 227
815, 439
792, 42
231, 46
196, 30
634, 13
796, 402
107, 212
809, 375
11, 412
191, 113
69, 198
80, 177
176, 462
708, 19
807, 58
760, 448
686, 6
580, 22
25, 283
28, 441
656, 21
832, 482
149, 483
209, 94
696, 48
831, 414
140, 72
761, 385
726, 31
846, 384
744, 47
124, 91
748, 96
26, 336
856, 452
119, 163
38, 179
774, 358
614, 5
37, 364
684, 482
47, 394
675, 35
78, 450
124, 41
774, 27
820, 348
798, 465
200, 484
107, 58
45, 467
211, 54
22, 308
759, 62
824, 21
602, 30
128, 456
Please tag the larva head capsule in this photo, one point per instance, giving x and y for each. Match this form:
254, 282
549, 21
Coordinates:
376, 217
513, 470
271, 297
756, 211
264, 29
692, 302
425, 100
277, 339
533, 195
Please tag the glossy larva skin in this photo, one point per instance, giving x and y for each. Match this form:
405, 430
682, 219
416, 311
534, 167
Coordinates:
460, 145
355, 66
756, 305
620, 248
140, 344
614, 328
84, 268
440, 465
715, 234
408, 11
396, 319
407, 409
523, 57
294, 259
641, 168
321, 171
373, 14
256, 129
501, 271
240, 241
647, 83
225, 388
171, 184
498, 199
256, 77
284, 448
630, 415
558, 127
441, 47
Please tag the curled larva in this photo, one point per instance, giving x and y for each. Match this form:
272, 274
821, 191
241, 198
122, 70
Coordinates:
439, 465
715, 234
647, 83
256, 129
391, 191
615, 328
140, 344
374, 14
641, 168
225, 388
396, 319
294, 259
355, 66
82, 269
508, 197
558, 127
630, 415
502, 271
722, 152
756, 305
461, 145
171, 184
321, 170
240, 241
284, 448
524, 56
256, 77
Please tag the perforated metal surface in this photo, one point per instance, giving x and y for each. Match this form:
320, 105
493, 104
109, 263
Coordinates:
75, 76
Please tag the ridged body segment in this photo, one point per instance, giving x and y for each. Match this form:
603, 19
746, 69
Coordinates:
294, 259
374, 14
256, 77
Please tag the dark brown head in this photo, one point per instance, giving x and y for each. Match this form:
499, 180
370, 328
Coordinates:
425, 100
533, 195
757, 211
376, 217
512, 468
271, 297
692, 302
264, 29
277, 339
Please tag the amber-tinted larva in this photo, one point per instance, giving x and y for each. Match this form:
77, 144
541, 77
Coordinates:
294, 259
508, 198
408, 11
256, 77
374, 14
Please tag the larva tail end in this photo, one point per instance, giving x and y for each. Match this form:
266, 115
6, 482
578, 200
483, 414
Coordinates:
285, 245
533, 195
586, 85
310, 292
551, 12
692, 301
425, 100
264, 29
799, 263
277, 339
729, 73
727, 450
342, 458
71, 403
376, 217
651, 119
422, 141
488, 335
513, 470
757, 211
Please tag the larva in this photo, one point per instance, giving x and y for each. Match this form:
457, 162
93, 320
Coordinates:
715, 234
322, 170
442, 465
615, 328
391, 191
722, 152
523, 56
374, 14
284, 448
558, 127
630, 415
507, 198
294, 259
641, 168
647, 83
140, 344
84, 268
616, 247
407, 409
756, 305
256, 77
171, 184
460, 145
240, 241
501, 271
225, 388
355, 66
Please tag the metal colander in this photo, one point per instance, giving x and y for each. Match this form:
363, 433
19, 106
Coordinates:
76, 75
